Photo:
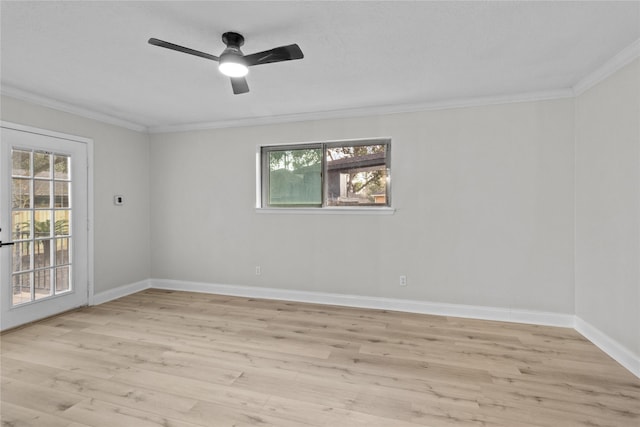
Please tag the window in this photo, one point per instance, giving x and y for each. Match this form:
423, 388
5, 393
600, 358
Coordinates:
331, 174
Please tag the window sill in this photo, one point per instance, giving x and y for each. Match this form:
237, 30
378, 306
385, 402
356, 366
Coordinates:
328, 211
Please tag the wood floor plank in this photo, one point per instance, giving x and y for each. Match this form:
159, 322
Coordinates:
200, 389
37, 397
165, 403
97, 413
183, 359
20, 416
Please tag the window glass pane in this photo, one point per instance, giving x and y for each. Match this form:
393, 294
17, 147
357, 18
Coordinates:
42, 224
295, 177
42, 283
357, 175
20, 193
21, 225
61, 194
21, 288
42, 165
61, 167
41, 193
21, 161
63, 218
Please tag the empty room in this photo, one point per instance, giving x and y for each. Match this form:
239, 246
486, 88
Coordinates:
320, 213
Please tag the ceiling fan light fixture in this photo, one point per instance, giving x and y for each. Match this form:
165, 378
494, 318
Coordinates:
233, 66
232, 62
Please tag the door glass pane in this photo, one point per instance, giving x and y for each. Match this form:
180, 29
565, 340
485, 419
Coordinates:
295, 177
63, 279
61, 194
63, 218
42, 165
41, 194
61, 167
62, 251
21, 256
21, 161
21, 225
42, 283
42, 254
20, 193
21, 288
42, 223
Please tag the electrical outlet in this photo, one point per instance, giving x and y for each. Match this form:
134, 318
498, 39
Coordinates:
258, 270
403, 280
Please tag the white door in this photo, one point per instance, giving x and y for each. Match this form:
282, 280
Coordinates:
43, 225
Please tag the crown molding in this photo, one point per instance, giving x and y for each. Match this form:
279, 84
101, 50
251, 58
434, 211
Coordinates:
623, 58
43, 101
287, 118
369, 111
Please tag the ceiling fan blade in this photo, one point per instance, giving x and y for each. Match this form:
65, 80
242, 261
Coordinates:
282, 53
182, 49
239, 85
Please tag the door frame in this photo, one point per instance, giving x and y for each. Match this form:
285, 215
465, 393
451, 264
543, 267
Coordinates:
90, 186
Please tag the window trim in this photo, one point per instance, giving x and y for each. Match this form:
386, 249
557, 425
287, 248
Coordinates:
262, 168
330, 210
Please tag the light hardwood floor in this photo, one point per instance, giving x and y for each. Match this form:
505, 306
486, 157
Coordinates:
180, 359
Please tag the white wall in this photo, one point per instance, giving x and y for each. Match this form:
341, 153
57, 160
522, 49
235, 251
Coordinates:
493, 205
608, 207
121, 159
484, 200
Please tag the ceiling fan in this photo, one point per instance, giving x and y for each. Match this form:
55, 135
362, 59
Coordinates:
235, 64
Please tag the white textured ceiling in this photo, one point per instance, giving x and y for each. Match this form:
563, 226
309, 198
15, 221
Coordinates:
358, 55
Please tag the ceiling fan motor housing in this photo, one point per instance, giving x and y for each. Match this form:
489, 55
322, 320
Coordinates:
233, 53
232, 39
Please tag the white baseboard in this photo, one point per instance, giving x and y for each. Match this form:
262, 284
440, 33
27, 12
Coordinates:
613, 348
119, 292
411, 306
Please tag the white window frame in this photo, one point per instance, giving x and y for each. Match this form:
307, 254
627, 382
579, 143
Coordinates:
323, 209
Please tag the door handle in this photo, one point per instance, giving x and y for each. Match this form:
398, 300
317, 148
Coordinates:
5, 244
